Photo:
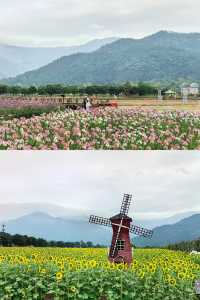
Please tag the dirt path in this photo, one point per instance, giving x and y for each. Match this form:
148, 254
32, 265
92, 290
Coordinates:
160, 105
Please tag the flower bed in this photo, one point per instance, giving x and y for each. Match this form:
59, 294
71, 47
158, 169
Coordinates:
22, 102
108, 129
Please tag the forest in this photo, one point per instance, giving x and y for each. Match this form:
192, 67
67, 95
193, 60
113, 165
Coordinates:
8, 240
127, 89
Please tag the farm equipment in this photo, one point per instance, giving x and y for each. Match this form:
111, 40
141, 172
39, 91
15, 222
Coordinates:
77, 102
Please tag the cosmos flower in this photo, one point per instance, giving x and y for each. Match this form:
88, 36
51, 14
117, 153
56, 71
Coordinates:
103, 129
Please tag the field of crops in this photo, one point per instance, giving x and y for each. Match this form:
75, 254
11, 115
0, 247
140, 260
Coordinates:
30, 273
20, 102
118, 129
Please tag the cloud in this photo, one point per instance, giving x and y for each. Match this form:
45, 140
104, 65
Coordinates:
94, 182
66, 22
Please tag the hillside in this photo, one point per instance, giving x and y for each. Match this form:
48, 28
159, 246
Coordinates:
16, 60
187, 229
162, 56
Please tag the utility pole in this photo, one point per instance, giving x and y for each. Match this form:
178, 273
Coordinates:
185, 95
2, 233
3, 228
160, 97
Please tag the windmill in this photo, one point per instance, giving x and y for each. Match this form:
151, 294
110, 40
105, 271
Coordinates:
121, 249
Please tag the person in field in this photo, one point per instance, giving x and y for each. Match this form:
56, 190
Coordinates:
84, 102
88, 104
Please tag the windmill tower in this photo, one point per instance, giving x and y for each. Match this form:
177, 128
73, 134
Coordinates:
121, 248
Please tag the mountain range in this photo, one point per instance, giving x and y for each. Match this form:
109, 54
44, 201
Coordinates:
16, 60
187, 229
162, 56
39, 224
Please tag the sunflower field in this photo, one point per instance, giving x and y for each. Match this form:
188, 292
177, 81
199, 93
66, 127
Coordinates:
57, 273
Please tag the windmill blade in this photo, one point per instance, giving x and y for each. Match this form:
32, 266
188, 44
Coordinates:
100, 221
125, 204
141, 231
113, 248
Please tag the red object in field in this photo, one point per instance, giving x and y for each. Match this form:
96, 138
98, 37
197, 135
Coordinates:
121, 248
121, 251
114, 104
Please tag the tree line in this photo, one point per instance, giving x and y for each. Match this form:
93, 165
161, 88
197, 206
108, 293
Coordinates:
8, 240
127, 89
186, 246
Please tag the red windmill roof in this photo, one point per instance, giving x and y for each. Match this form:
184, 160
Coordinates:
120, 216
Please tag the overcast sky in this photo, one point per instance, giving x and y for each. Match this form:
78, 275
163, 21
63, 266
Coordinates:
79, 183
67, 22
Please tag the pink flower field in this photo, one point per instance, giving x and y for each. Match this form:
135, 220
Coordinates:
118, 129
21, 102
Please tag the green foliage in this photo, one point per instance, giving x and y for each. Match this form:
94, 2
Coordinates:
145, 89
26, 112
8, 240
127, 89
186, 246
3, 89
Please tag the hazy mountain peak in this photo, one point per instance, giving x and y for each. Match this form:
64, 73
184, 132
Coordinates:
23, 59
39, 214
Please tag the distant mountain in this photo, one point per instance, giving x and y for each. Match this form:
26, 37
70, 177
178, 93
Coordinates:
187, 229
43, 225
152, 223
12, 210
16, 60
51, 228
8, 68
161, 56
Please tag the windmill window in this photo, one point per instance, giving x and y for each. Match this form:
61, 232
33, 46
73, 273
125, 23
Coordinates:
120, 245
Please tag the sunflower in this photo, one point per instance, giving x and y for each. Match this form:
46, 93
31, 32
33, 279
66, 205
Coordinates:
73, 289
70, 266
43, 271
188, 275
111, 266
141, 273
151, 267
59, 276
93, 263
172, 281
120, 266
181, 275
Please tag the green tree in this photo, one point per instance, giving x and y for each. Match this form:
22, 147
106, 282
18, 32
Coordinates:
3, 89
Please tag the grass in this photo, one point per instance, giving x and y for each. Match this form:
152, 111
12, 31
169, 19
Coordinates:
191, 105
